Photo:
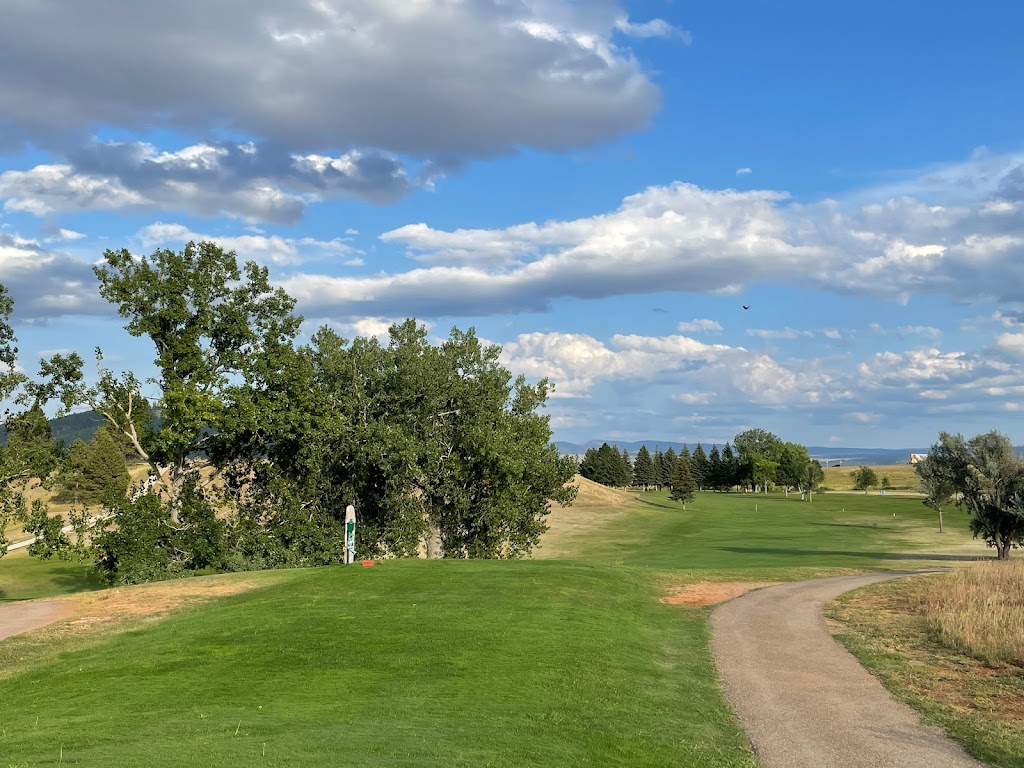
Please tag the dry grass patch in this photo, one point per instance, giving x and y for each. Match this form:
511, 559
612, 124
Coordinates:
980, 610
901, 477
712, 592
979, 703
595, 506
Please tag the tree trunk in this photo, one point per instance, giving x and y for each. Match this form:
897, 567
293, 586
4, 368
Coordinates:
940, 521
434, 548
1002, 548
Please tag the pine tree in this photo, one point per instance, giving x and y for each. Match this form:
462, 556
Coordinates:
715, 477
71, 473
699, 467
668, 467
658, 460
730, 468
589, 464
683, 485
628, 465
105, 470
643, 468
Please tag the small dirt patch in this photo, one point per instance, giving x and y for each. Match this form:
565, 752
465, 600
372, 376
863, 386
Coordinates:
711, 592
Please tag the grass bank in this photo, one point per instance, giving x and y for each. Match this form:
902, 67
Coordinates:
409, 663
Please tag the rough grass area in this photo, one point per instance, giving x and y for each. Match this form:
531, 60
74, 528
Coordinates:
901, 477
980, 611
980, 704
408, 663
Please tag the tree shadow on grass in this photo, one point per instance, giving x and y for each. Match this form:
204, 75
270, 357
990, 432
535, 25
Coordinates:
865, 555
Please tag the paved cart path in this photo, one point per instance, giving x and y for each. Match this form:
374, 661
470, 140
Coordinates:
16, 618
803, 699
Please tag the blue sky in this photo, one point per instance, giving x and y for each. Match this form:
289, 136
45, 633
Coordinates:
598, 187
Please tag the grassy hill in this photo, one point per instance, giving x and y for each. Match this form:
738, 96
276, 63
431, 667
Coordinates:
567, 661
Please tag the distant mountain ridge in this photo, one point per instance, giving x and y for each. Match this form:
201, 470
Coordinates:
852, 456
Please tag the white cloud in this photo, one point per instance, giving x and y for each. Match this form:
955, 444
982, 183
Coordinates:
744, 171
686, 239
45, 283
699, 324
778, 333
261, 248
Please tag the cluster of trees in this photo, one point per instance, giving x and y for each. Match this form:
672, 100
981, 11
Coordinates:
985, 477
260, 443
758, 461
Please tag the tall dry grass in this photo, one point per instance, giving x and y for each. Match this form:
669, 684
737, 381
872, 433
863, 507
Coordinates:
979, 610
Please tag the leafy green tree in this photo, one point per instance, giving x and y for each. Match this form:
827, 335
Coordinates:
811, 479
667, 467
643, 469
215, 330
936, 485
436, 446
758, 451
792, 461
683, 485
864, 478
989, 478
699, 468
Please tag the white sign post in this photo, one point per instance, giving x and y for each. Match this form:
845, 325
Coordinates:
350, 534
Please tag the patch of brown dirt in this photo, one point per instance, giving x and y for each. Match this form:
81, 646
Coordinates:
711, 592
96, 610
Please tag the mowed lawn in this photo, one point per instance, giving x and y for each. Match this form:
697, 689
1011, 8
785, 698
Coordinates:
769, 533
572, 661
441, 663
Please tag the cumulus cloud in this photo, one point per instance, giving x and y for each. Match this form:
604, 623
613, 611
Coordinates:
744, 171
241, 180
684, 238
46, 283
699, 324
262, 248
429, 78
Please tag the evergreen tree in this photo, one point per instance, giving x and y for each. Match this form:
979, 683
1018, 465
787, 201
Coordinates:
683, 485
106, 471
716, 478
659, 459
699, 468
628, 464
730, 468
619, 472
588, 465
71, 473
643, 469
667, 468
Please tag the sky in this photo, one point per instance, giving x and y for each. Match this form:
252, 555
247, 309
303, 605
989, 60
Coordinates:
598, 187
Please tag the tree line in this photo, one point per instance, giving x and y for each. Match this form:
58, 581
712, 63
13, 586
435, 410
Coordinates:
255, 443
755, 459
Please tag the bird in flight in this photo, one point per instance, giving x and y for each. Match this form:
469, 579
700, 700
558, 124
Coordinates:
746, 306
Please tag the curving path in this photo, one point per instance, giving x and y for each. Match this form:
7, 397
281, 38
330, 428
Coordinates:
16, 618
803, 699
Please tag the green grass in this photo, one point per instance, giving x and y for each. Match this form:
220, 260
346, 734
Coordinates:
775, 535
23, 577
410, 663
437, 663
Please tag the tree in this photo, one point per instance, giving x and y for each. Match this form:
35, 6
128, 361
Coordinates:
729, 468
715, 476
759, 451
659, 461
936, 485
643, 469
811, 479
438, 447
793, 459
683, 485
667, 467
105, 471
699, 467
864, 478
989, 477
214, 330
